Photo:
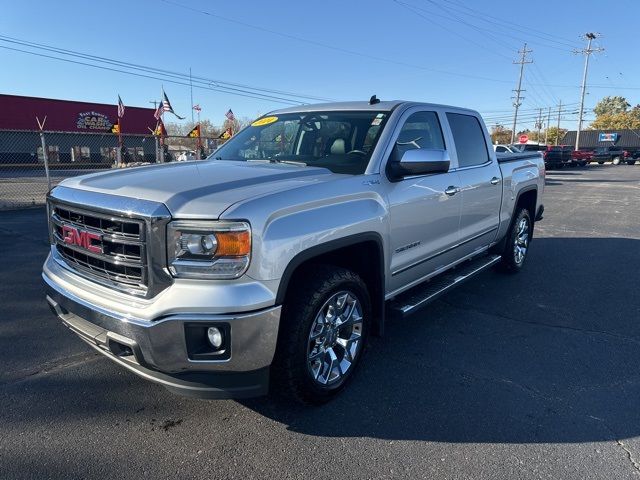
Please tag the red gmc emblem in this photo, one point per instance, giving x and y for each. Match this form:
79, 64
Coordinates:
82, 238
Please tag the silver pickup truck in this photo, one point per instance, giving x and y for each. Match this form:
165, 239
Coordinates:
272, 262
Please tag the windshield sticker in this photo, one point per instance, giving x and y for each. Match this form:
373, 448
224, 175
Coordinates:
378, 120
264, 121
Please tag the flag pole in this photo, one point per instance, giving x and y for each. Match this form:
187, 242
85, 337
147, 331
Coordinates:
199, 145
120, 139
191, 87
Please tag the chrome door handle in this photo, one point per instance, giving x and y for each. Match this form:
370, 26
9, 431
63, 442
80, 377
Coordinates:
495, 181
451, 191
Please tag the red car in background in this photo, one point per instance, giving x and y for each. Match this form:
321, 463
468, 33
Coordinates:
581, 157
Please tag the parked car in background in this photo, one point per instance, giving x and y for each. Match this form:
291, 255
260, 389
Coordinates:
581, 157
504, 149
528, 147
186, 156
557, 156
608, 154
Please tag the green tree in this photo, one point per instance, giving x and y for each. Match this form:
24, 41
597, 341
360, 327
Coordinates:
500, 135
611, 106
613, 113
555, 135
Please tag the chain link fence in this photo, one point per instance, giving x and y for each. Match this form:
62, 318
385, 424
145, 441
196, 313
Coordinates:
31, 162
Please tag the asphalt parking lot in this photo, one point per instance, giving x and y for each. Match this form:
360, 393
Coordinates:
527, 376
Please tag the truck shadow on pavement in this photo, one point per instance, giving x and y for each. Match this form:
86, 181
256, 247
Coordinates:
549, 355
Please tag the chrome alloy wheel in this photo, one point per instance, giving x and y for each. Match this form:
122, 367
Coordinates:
335, 338
521, 242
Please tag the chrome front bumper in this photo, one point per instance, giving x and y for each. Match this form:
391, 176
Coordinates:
157, 349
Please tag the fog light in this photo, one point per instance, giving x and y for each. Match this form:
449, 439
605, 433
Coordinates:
215, 337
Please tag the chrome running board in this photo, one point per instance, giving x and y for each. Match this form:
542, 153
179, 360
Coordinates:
424, 293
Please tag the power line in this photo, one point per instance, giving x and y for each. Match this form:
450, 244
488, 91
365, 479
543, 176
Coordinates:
415, 11
331, 47
522, 109
491, 32
512, 25
288, 102
219, 85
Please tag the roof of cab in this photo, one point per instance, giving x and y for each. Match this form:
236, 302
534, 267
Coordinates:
365, 106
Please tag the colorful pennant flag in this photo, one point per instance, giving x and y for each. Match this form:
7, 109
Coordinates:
195, 132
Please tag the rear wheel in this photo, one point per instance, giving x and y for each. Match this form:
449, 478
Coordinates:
631, 162
616, 160
518, 239
601, 163
323, 333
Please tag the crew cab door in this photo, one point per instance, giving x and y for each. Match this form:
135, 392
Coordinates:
480, 182
423, 218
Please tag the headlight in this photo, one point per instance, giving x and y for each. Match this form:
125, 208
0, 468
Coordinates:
198, 249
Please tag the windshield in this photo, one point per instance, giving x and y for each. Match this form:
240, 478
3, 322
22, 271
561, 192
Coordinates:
339, 141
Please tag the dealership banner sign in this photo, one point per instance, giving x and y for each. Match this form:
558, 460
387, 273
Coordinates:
607, 137
93, 121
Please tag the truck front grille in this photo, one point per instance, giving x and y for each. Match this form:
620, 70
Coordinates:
108, 249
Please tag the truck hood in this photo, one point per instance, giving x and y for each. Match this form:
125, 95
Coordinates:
200, 189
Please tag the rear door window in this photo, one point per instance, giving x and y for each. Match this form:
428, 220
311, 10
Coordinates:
469, 138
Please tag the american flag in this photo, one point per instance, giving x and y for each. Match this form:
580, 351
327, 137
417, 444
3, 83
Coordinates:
197, 108
159, 110
166, 106
230, 115
120, 107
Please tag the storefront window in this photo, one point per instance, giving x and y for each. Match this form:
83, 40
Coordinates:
53, 153
80, 154
108, 154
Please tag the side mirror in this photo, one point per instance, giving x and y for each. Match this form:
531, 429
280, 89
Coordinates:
418, 161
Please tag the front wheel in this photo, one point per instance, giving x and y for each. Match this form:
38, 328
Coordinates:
631, 162
518, 239
323, 333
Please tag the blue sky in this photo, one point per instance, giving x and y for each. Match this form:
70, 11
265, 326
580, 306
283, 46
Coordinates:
444, 51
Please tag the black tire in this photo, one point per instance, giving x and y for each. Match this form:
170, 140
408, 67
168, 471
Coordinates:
291, 373
583, 164
600, 163
510, 261
631, 162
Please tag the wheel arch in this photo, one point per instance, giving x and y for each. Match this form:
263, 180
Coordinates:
362, 253
527, 197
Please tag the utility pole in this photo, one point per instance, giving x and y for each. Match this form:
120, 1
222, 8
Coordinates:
546, 130
518, 98
558, 131
539, 124
590, 37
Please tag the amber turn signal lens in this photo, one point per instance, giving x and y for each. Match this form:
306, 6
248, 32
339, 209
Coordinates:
233, 244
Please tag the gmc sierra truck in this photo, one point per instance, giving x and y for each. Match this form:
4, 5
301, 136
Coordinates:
273, 261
